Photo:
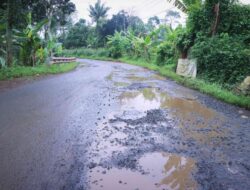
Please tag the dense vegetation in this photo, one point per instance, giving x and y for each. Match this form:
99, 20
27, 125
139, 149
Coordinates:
29, 31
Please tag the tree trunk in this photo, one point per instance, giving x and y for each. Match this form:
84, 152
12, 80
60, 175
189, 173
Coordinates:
216, 22
48, 33
9, 36
184, 54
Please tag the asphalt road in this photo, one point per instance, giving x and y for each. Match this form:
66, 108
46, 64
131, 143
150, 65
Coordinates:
116, 126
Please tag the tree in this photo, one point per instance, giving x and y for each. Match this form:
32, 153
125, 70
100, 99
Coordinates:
56, 11
98, 12
9, 36
172, 17
179, 4
78, 35
152, 23
118, 22
136, 25
186, 5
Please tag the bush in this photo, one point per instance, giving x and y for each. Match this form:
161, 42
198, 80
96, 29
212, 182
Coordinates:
116, 45
184, 42
222, 59
165, 53
85, 52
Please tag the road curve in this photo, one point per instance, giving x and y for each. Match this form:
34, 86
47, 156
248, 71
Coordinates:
115, 126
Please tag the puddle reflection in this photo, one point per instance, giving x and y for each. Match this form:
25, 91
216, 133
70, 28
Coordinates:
163, 171
151, 98
197, 121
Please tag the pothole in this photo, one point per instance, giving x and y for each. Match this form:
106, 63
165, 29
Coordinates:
185, 109
158, 171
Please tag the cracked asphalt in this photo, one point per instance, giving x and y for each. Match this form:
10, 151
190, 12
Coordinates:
110, 126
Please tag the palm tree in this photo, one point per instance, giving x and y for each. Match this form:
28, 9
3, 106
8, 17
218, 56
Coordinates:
185, 5
98, 12
179, 4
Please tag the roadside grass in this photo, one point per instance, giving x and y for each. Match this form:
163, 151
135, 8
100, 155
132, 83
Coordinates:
22, 71
168, 71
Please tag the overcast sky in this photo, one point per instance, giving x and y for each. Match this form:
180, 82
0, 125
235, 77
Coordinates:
142, 8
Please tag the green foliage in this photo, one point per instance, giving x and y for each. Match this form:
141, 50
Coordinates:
78, 35
184, 42
98, 11
165, 53
121, 43
29, 41
41, 54
21, 71
236, 20
233, 18
136, 25
86, 53
116, 44
142, 46
222, 59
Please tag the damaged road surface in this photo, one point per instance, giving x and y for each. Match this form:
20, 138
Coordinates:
113, 126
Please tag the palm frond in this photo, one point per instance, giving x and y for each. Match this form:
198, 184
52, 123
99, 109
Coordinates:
179, 4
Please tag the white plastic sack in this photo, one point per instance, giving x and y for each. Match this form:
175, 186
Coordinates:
187, 68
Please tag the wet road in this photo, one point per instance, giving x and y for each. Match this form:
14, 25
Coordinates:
110, 126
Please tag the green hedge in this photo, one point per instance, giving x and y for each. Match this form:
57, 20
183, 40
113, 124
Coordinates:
222, 59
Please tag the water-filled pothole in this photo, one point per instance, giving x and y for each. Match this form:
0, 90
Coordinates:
158, 171
186, 109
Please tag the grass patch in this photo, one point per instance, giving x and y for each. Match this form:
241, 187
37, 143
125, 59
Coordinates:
22, 71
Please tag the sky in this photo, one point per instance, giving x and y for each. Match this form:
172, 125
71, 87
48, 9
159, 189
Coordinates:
142, 8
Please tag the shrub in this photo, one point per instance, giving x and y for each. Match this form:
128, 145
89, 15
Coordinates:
165, 53
222, 59
85, 52
184, 42
116, 45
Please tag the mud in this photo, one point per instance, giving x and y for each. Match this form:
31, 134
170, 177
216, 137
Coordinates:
115, 126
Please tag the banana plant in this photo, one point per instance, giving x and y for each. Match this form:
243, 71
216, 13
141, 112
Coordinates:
128, 39
29, 41
186, 5
142, 46
116, 45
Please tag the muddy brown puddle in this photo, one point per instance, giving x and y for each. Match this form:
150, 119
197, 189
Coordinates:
161, 171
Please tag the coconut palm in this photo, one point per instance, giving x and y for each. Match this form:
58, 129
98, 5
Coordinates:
179, 4
98, 12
